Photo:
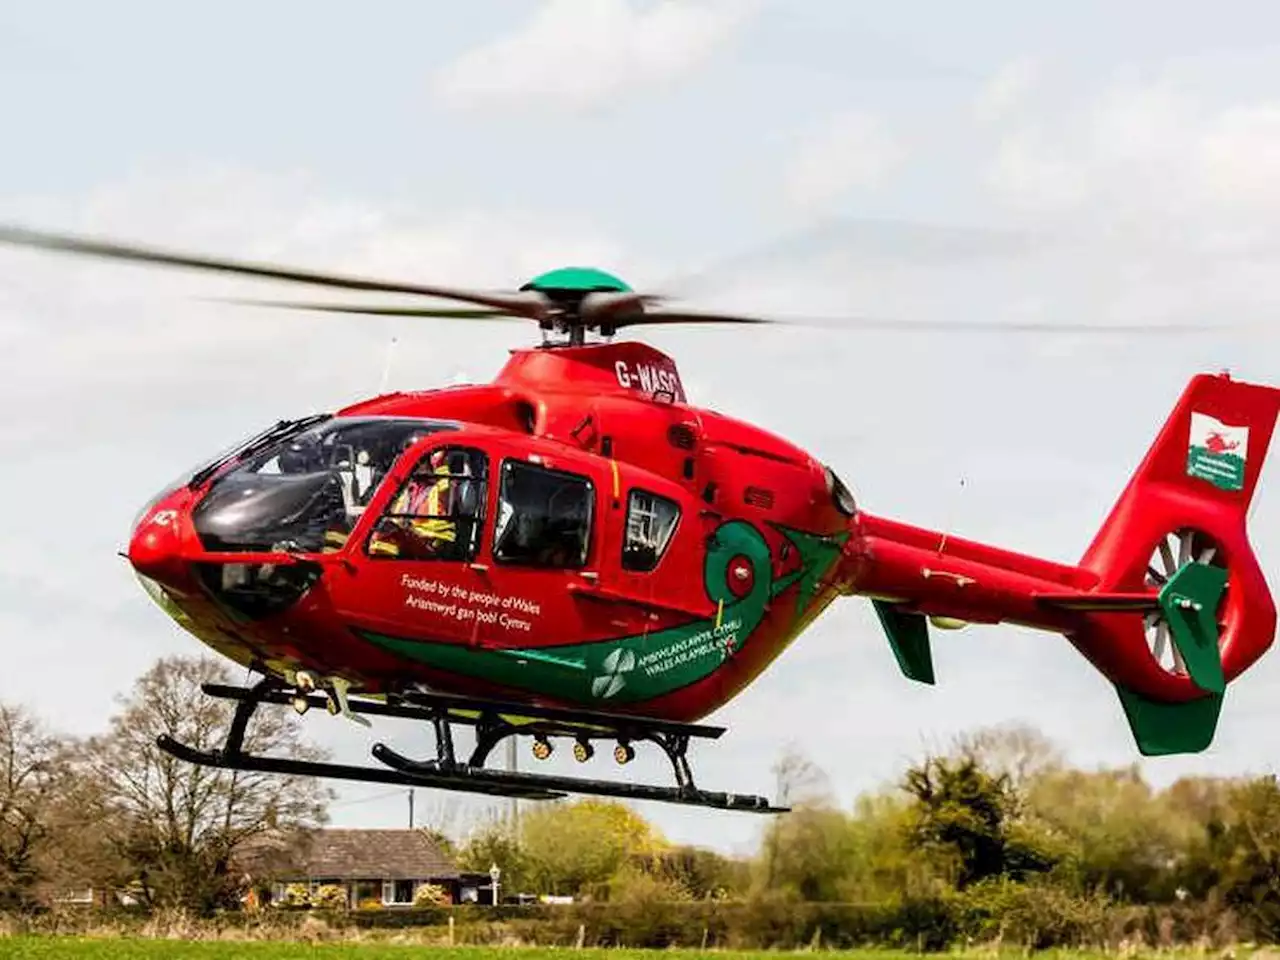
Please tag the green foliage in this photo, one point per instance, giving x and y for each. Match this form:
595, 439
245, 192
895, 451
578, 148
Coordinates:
495, 844
572, 848
296, 895
701, 874
329, 896
1035, 915
964, 822
1239, 853
810, 852
1115, 834
999, 841
431, 895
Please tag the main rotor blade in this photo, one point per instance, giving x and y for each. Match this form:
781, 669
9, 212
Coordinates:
528, 304
456, 313
683, 316
1022, 326
934, 326
599, 306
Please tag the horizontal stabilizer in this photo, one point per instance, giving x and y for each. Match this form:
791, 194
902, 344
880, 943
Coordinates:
908, 635
1162, 729
1100, 602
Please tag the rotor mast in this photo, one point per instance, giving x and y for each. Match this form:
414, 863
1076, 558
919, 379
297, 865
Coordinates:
580, 299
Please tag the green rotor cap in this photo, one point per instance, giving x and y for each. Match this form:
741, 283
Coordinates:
582, 279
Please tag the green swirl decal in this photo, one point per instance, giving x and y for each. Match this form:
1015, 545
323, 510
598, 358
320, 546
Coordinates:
647, 666
644, 666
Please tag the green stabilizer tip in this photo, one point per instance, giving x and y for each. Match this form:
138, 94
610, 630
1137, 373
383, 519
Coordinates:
1161, 729
908, 635
1190, 604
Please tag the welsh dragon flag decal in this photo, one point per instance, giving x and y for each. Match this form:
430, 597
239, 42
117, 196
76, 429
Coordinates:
1217, 452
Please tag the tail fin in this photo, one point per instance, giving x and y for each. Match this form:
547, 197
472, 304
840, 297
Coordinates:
1180, 526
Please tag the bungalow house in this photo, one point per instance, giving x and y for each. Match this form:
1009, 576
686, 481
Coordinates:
383, 868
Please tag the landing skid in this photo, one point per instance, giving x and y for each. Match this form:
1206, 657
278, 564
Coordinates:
494, 722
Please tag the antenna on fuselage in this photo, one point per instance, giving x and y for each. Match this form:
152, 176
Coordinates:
386, 367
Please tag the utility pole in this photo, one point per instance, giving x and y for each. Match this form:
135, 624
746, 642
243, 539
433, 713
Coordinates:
515, 804
410, 808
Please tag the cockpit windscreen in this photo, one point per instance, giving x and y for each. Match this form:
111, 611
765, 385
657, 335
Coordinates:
304, 493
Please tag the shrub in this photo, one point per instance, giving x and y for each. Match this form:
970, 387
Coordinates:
296, 895
431, 895
330, 897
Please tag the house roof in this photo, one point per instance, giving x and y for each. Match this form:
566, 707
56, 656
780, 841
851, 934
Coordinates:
356, 854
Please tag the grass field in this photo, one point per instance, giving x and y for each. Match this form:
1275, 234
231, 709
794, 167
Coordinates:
75, 948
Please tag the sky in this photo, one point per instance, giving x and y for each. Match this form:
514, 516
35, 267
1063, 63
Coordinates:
1095, 163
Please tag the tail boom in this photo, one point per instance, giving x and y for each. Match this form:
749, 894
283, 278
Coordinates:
938, 575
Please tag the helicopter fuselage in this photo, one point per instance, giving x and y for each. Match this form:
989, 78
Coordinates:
574, 533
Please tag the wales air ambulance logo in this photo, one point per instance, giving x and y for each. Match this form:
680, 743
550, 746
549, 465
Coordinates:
613, 675
1217, 452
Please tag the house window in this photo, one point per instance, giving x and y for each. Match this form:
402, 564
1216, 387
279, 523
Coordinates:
439, 511
397, 892
651, 520
544, 517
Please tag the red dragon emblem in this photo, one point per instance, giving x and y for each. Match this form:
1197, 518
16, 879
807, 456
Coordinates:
1219, 444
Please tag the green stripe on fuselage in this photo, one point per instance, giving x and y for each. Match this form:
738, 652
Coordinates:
643, 666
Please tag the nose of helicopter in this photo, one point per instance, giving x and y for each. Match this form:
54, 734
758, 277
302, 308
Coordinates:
154, 544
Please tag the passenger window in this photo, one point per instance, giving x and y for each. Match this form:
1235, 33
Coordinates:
439, 512
651, 520
544, 517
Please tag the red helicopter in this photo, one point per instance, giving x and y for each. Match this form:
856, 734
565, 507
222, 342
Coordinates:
576, 551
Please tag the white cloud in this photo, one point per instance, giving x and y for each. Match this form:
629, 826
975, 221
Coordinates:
1151, 153
580, 54
1239, 156
847, 150
1166, 202
1008, 89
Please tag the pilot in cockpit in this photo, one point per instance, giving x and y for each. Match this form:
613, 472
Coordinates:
423, 510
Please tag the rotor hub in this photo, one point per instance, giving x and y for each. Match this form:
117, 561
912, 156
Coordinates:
568, 290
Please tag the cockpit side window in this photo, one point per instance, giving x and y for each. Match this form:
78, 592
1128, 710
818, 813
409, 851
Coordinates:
544, 517
438, 513
651, 520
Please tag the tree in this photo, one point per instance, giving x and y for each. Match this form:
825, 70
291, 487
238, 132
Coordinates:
565, 848
1117, 835
36, 777
702, 874
177, 827
1238, 854
1020, 753
494, 845
803, 786
882, 866
965, 821
808, 852
573, 848
799, 779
